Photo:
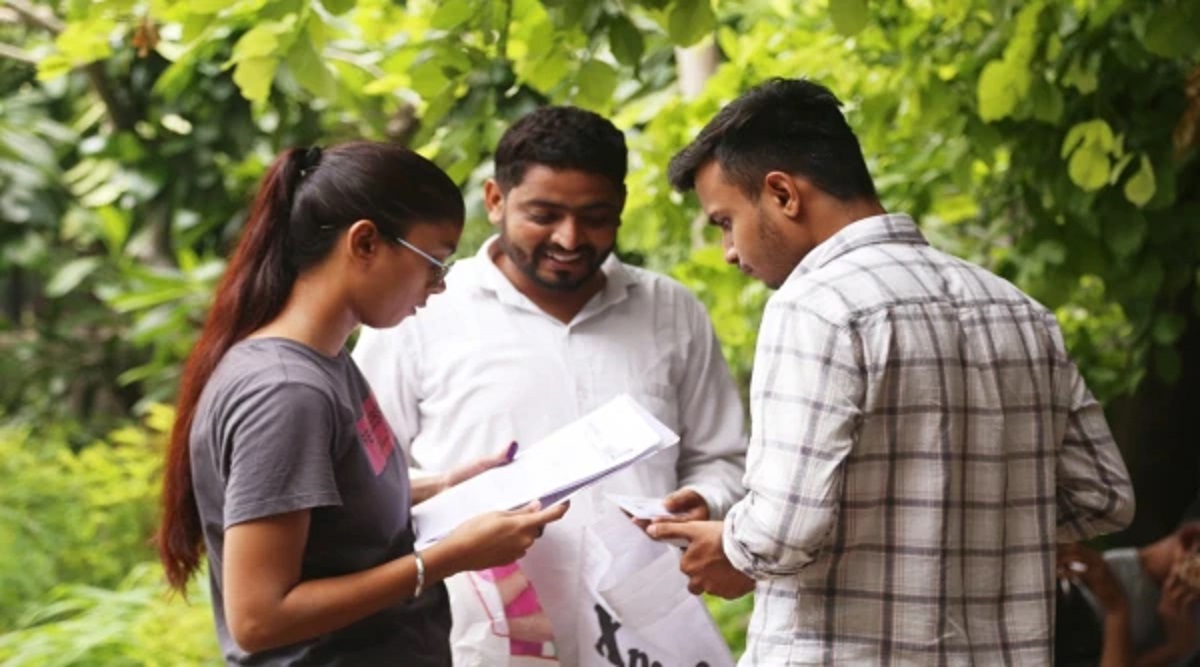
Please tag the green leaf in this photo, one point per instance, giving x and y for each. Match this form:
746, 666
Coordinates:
107, 193
1140, 189
1081, 77
626, 41
140, 300
547, 72
427, 78
1168, 327
338, 7
194, 26
254, 75
1090, 144
849, 16
597, 81
997, 98
86, 41
115, 227
309, 69
1047, 102
690, 21
70, 275
260, 41
1074, 138
1095, 133
175, 79
451, 14
30, 148
1088, 168
1171, 32
1119, 167
53, 66
1099, 133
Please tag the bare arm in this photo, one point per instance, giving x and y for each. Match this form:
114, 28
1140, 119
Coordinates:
267, 605
1118, 647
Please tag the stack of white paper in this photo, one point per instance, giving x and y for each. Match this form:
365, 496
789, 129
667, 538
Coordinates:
610, 438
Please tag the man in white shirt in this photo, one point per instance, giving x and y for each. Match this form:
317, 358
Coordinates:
540, 327
920, 438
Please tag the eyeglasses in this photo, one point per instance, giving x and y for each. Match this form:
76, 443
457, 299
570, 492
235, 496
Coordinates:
443, 268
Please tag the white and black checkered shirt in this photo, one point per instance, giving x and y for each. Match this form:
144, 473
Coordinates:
920, 441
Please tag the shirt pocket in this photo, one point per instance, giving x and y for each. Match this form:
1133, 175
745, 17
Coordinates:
660, 400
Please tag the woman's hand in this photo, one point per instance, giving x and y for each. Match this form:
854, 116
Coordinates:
463, 473
492, 539
427, 486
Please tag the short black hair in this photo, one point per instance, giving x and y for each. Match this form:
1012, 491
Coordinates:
790, 125
561, 137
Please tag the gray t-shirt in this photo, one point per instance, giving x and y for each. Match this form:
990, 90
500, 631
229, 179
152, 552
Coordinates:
279, 428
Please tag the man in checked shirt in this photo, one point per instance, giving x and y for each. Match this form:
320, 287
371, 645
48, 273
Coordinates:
920, 437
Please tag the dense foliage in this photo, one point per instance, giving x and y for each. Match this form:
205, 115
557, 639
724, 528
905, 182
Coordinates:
1054, 141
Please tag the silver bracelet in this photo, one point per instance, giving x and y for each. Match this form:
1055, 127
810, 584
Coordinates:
420, 574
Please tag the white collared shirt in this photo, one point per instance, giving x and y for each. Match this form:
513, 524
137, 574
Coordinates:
481, 365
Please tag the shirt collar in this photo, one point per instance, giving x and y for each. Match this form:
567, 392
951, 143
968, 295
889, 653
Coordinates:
875, 230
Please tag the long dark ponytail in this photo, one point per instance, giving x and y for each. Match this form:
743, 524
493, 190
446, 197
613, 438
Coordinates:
306, 198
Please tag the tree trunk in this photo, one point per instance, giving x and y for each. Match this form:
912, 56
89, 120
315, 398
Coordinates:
694, 66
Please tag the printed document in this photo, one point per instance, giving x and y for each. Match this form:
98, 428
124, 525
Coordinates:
610, 438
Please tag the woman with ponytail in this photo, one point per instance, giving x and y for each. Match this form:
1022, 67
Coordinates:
281, 467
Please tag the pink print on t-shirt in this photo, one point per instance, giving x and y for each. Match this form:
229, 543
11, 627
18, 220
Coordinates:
376, 435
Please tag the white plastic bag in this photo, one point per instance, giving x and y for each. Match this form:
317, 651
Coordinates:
612, 596
642, 613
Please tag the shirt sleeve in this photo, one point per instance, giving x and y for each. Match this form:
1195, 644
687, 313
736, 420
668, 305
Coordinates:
713, 440
1094, 494
280, 444
807, 396
388, 359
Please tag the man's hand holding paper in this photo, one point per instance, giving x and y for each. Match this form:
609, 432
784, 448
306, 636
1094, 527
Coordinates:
704, 561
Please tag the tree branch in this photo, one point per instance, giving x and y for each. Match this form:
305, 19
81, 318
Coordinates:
122, 116
43, 19
15, 53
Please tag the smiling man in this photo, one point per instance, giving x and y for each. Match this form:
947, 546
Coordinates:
540, 327
920, 438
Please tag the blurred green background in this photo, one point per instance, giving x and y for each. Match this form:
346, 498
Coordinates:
1053, 141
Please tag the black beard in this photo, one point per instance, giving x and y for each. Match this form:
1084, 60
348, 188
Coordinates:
528, 265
